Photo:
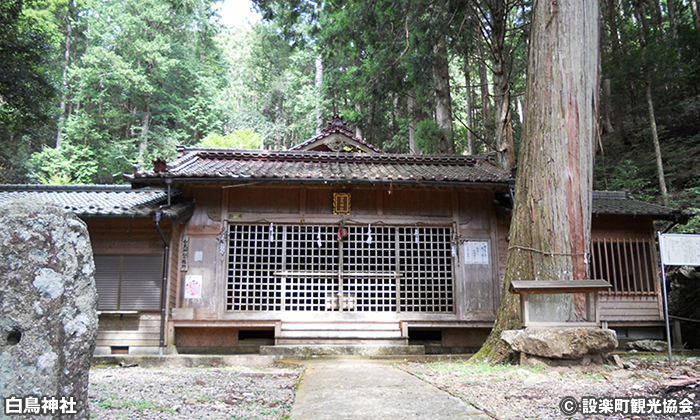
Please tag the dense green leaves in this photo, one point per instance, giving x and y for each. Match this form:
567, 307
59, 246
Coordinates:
27, 86
119, 83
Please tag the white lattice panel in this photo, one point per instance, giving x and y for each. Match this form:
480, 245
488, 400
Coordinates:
296, 268
425, 260
253, 258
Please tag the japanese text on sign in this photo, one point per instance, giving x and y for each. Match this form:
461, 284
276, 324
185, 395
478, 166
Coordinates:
679, 249
476, 252
626, 405
32, 404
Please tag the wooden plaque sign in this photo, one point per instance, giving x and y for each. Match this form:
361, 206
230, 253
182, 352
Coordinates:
341, 203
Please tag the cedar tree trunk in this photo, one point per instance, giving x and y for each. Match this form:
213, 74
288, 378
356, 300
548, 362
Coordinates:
550, 228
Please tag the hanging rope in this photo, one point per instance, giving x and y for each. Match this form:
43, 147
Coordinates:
551, 254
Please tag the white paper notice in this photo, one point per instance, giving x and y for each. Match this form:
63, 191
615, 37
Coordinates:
476, 252
193, 286
677, 249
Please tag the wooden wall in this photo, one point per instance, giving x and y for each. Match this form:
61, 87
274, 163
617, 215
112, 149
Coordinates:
478, 287
622, 227
127, 237
135, 330
469, 210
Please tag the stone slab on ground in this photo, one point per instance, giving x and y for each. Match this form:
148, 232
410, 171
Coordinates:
648, 345
561, 342
369, 389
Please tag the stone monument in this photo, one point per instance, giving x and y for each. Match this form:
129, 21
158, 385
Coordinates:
48, 310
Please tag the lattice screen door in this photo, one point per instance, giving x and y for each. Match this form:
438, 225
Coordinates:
305, 268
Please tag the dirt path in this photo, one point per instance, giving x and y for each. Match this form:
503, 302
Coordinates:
504, 392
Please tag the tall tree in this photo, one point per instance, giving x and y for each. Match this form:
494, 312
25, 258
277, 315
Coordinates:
145, 82
646, 74
495, 14
550, 229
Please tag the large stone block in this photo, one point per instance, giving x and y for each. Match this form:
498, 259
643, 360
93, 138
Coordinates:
48, 304
561, 343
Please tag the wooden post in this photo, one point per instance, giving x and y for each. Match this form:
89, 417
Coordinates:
677, 339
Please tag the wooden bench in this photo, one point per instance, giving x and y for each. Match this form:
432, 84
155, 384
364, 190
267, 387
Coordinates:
590, 288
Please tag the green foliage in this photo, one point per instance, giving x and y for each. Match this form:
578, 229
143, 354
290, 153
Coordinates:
239, 139
693, 210
70, 165
427, 136
625, 176
146, 75
26, 85
272, 86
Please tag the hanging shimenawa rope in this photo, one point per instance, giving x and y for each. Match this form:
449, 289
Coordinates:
552, 254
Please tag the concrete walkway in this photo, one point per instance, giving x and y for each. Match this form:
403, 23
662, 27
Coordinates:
372, 389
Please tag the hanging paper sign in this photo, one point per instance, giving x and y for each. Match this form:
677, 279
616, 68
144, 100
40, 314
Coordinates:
370, 238
272, 233
185, 253
193, 286
476, 252
318, 237
415, 236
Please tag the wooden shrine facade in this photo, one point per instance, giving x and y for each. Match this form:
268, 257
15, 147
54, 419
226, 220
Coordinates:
317, 244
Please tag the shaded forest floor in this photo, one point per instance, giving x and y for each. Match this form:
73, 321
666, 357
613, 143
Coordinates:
513, 392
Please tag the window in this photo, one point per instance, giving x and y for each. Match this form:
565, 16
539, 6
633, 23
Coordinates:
128, 282
304, 268
627, 264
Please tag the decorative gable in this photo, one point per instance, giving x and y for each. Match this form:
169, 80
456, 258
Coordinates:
336, 137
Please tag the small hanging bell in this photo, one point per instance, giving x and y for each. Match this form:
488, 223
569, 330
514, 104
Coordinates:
342, 231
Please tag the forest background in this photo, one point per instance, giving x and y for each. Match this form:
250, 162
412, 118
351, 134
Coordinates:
91, 89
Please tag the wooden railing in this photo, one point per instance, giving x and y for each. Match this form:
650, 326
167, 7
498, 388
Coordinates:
628, 264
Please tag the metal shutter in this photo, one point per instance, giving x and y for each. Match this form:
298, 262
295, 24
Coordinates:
128, 282
107, 274
141, 279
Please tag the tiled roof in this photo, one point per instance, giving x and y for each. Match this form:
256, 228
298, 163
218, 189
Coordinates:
113, 201
264, 165
622, 203
335, 126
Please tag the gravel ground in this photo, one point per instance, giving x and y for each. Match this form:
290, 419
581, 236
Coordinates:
512, 392
192, 393
503, 391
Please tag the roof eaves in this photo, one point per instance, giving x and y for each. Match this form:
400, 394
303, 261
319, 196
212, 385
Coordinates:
198, 178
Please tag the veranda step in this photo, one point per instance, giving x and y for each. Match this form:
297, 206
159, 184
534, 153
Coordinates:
346, 334
332, 326
340, 333
341, 341
308, 351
